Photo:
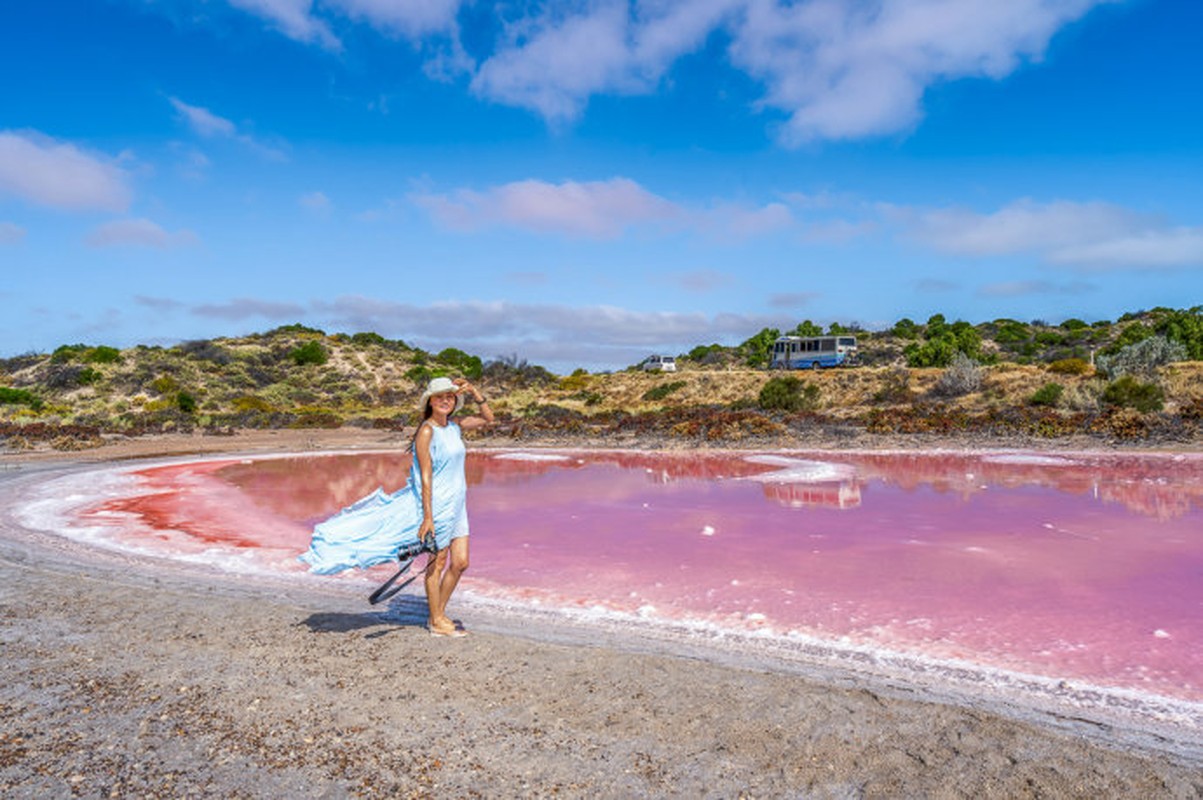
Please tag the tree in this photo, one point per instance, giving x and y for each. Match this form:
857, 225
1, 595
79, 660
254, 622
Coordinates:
806, 328
758, 350
905, 328
942, 342
1186, 328
460, 361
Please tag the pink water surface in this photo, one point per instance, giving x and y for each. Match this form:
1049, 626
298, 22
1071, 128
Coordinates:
1083, 566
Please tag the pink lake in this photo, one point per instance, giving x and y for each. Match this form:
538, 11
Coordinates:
1085, 567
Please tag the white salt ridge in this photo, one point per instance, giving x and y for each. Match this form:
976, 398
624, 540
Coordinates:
797, 470
1029, 460
532, 457
54, 507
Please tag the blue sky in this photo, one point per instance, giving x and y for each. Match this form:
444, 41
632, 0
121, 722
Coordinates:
583, 183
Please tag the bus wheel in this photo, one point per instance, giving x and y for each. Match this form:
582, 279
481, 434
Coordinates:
814, 365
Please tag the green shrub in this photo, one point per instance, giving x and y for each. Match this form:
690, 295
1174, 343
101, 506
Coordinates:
932, 353
296, 327
514, 370
420, 374
459, 361
87, 376
185, 402
662, 391
587, 397
1011, 332
309, 353
1127, 392
20, 397
165, 384
1130, 335
205, 350
1047, 395
67, 352
787, 393
1069, 366
705, 353
250, 402
368, 338
578, 380
102, 355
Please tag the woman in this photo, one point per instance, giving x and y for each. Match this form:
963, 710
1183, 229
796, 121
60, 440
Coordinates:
430, 506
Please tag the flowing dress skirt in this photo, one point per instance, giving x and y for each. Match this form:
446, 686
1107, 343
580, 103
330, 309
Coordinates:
371, 530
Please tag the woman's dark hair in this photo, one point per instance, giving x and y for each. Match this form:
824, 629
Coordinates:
427, 413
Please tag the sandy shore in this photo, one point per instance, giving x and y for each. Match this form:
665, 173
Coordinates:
122, 681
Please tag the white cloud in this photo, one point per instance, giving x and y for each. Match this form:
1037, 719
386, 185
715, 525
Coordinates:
1172, 247
836, 69
205, 123
294, 18
316, 202
46, 172
558, 60
160, 304
1022, 226
598, 209
793, 300
191, 164
741, 222
701, 281
1018, 288
246, 307
848, 70
409, 17
138, 232
11, 233
601, 209
553, 335
1086, 235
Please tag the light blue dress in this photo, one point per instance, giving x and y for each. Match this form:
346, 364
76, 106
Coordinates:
372, 530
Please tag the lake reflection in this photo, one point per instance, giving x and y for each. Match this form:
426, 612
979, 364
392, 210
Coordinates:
1087, 566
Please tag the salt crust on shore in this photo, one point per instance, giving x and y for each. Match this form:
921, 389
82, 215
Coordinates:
121, 680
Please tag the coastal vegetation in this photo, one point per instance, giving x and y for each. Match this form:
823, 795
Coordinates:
1138, 379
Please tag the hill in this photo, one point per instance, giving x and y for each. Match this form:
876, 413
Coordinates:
1001, 379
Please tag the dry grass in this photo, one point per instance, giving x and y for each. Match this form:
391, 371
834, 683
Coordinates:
842, 392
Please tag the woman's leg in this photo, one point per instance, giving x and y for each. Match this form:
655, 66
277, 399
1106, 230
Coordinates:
457, 566
434, 573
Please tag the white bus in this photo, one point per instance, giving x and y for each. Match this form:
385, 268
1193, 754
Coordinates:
813, 352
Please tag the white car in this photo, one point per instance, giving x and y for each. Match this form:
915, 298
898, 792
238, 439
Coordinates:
659, 364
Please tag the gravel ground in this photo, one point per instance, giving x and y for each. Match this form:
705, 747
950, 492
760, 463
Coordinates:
122, 681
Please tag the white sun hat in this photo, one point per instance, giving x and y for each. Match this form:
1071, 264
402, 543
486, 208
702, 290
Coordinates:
440, 386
